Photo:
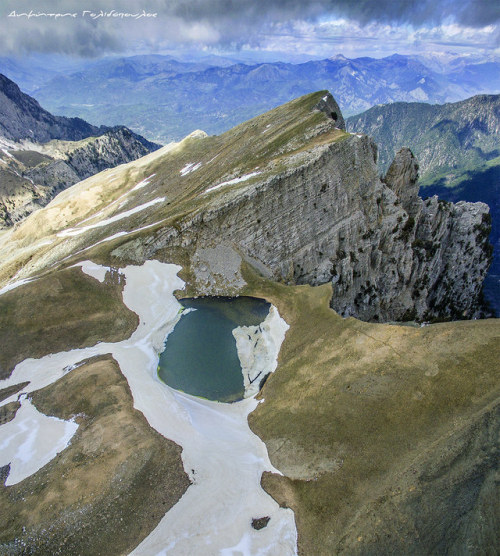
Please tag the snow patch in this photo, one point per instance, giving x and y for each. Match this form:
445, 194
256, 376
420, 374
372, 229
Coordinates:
143, 183
191, 167
31, 440
77, 231
231, 182
95, 270
14, 285
258, 348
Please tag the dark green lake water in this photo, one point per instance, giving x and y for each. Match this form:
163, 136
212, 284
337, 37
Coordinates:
200, 356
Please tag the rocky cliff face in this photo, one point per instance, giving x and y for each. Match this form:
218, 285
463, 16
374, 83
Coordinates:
302, 199
457, 146
328, 217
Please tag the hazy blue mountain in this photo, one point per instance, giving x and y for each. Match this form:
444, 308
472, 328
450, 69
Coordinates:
164, 99
458, 148
32, 71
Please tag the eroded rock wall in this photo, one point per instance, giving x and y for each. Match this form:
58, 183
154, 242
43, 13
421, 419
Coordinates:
389, 254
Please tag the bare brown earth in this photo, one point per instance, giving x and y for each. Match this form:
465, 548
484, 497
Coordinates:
388, 436
109, 488
59, 312
8, 412
7, 392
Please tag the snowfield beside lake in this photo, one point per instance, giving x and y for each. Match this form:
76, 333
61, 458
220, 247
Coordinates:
221, 455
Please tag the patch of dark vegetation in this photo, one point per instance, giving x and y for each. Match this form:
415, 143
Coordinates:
7, 392
260, 522
8, 412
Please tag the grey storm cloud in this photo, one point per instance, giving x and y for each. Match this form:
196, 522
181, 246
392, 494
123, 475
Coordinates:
205, 21
418, 12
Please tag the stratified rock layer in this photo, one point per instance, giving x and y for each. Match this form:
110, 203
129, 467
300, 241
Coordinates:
329, 217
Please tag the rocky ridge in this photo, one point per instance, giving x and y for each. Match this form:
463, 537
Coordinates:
22, 117
32, 174
302, 199
457, 146
42, 154
328, 217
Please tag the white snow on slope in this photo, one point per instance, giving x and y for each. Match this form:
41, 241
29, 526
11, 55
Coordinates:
77, 231
233, 181
214, 515
106, 239
14, 285
191, 167
143, 183
31, 440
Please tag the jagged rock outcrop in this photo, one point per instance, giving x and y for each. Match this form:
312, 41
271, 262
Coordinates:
402, 178
328, 217
42, 154
457, 146
329, 106
32, 174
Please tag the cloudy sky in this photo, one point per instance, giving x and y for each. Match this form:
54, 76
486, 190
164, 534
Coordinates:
283, 28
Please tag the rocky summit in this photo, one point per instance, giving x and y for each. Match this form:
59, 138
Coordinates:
384, 435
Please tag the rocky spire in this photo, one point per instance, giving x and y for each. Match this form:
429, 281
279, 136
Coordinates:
402, 178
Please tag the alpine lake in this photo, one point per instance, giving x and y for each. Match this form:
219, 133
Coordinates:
200, 356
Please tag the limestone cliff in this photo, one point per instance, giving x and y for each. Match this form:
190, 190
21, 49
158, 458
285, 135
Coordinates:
298, 197
329, 217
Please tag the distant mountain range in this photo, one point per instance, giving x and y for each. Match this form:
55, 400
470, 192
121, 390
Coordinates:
164, 99
458, 149
42, 154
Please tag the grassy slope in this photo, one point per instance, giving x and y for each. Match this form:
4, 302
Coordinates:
63, 311
266, 143
384, 433
109, 488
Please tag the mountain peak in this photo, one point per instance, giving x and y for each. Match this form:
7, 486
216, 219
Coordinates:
338, 58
